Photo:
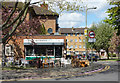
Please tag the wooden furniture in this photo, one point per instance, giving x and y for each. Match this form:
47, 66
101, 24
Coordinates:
45, 63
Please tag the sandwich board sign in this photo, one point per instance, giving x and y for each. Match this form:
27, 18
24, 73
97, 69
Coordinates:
92, 36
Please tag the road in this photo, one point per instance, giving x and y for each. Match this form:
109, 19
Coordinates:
110, 75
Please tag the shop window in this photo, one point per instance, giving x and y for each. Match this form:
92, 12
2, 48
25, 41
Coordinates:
29, 50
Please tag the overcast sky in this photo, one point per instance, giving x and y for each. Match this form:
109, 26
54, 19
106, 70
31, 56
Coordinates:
77, 19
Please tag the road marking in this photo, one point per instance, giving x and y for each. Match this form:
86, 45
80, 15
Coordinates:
87, 73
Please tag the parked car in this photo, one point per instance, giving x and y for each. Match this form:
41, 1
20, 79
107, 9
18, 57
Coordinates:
94, 56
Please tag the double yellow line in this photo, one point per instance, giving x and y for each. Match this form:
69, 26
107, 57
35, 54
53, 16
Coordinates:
87, 73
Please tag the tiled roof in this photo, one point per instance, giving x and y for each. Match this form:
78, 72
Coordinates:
69, 30
12, 4
38, 10
42, 11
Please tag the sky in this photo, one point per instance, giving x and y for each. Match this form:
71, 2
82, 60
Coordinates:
78, 19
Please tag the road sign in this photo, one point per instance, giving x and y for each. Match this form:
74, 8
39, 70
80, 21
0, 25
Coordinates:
91, 34
91, 40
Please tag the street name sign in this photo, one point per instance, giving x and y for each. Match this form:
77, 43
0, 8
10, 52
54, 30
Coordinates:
91, 40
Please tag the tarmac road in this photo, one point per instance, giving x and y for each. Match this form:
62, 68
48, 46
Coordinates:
110, 75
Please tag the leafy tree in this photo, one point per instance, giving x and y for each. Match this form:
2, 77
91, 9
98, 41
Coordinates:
114, 15
114, 43
103, 34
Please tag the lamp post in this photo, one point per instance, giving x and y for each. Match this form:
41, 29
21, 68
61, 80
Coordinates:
85, 31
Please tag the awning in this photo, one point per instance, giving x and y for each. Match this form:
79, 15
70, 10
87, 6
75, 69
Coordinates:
44, 41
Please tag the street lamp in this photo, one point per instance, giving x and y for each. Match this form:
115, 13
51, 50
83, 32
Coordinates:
86, 28
86, 12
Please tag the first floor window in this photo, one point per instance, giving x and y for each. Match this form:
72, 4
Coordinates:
80, 40
75, 46
71, 46
79, 46
84, 46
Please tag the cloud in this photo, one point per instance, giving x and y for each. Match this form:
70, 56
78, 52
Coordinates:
68, 20
103, 14
100, 4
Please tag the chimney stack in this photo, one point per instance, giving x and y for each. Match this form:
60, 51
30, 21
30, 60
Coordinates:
44, 5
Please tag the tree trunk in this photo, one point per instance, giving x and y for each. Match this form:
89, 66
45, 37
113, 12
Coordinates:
107, 54
3, 55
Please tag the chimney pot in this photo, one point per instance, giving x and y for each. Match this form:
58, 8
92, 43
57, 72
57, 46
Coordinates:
44, 5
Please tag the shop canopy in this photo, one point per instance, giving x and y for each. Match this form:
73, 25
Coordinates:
43, 41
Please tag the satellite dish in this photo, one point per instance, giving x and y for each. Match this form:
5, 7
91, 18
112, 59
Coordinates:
50, 30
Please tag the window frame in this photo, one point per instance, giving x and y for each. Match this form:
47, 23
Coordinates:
80, 46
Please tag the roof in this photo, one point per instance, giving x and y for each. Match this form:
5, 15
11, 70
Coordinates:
12, 4
69, 30
38, 10
42, 11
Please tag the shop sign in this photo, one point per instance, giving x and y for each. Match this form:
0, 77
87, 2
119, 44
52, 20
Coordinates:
44, 41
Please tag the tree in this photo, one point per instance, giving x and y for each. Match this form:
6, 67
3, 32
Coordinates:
114, 43
114, 15
103, 34
14, 23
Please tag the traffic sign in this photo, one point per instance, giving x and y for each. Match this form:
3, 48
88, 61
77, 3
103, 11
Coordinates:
91, 40
92, 34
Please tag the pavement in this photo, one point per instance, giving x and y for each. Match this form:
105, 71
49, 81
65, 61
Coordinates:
56, 73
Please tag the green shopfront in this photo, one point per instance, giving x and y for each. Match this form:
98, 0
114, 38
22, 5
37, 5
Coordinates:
42, 48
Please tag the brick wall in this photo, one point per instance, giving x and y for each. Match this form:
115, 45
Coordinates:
49, 22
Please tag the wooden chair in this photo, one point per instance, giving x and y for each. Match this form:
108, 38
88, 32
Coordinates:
45, 63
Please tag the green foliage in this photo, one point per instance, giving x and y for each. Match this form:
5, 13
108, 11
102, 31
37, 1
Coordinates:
43, 30
114, 15
94, 28
103, 33
114, 55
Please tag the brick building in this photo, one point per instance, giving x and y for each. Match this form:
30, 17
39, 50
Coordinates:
75, 40
28, 47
